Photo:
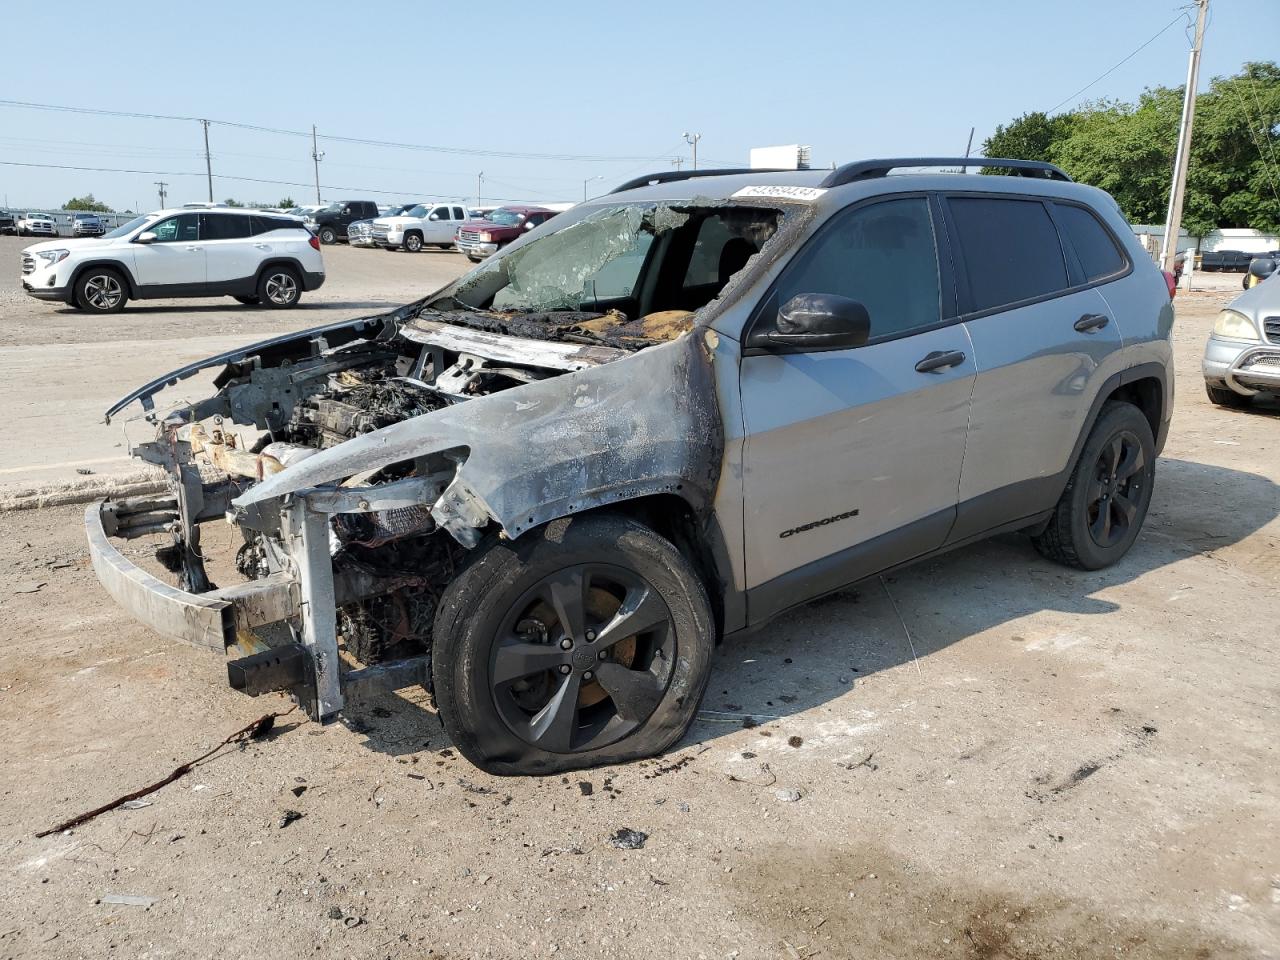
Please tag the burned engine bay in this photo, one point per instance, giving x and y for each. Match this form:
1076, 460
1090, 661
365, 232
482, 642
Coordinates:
361, 461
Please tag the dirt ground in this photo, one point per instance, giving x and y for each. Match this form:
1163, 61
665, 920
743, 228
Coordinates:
1015, 761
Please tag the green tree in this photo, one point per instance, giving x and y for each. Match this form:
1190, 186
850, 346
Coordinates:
87, 204
232, 203
287, 203
1127, 149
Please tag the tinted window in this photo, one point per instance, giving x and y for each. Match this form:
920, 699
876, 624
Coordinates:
458, 214
1097, 251
883, 256
224, 226
184, 228
440, 213
1010, 248
260, 224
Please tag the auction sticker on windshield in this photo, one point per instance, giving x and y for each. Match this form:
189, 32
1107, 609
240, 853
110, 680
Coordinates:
801, 194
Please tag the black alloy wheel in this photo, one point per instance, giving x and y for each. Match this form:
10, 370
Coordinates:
1114, 495
582, 658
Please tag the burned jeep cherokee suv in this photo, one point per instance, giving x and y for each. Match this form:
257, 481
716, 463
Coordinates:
547, 490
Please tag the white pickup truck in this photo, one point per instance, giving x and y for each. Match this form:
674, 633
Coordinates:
425, 225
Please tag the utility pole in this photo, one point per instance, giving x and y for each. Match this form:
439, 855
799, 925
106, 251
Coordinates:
693, 138
479, 182
1173, 222
161, 184
316, 157
208, 162
678, 161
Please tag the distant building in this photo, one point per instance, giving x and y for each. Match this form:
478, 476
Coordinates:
791, 157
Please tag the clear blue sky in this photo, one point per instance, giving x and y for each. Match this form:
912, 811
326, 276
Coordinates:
852, 79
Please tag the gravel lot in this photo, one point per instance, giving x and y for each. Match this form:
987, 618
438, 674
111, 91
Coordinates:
1051, 764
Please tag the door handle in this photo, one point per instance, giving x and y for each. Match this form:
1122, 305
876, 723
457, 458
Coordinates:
193, 249
939, 360
263, 246
1091, 322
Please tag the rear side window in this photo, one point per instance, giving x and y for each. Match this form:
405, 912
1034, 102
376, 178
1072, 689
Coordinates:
1010, 248
224, 226
267, 224
458, 214
883, 256
1097, 251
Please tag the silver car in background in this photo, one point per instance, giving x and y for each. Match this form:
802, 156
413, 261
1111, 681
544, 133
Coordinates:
1242, 356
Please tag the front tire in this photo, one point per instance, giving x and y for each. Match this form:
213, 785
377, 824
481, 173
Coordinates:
413, 242
584, 642
1100, 513
279, 287
328, 235
101, 290
1226, 397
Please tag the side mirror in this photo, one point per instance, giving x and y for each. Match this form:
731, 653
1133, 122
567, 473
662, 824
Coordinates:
146, 236
433, 217
820, 321
1262, 267
529, 225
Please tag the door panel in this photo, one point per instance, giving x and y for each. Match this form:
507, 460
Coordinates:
1037, 377
230, 252
175, 258
440, 230
850, 430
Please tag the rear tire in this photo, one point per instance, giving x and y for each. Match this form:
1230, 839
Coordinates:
504, 667
328, 235
101, 290
279, 287
1226, 397
1100, 513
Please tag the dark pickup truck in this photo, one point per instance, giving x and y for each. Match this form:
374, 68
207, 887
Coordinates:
330, 224
8, 222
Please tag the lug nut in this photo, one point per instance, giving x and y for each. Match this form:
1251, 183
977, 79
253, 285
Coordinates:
604, 654
566, 644
588, 675
565, 668
591, 635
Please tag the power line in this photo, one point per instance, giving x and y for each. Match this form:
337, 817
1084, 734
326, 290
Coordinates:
336, 138
1181, 16
221, 176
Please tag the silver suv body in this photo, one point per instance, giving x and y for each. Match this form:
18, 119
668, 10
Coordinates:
548, 489
1242, 354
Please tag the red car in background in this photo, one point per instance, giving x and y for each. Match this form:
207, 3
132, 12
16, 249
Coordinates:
480, 239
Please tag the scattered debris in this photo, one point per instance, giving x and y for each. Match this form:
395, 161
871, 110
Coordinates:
31, 586
794, 741
553, 851
682, 807
335, 913
83, 471
911, 643
657, 882
298, 791
254, 731
470, 787
864, 762
764, 769
287, 817
128, 900
787, 796
585, 788
135, 804
628, 839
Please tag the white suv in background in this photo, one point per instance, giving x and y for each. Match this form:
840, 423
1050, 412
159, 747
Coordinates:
37, 224
424, 226
258, 258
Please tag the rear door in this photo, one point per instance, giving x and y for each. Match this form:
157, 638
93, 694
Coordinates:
1044, 342
439, 227
853, 456
230, 253
176, 258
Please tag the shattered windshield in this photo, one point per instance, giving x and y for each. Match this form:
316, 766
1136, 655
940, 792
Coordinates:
631, 270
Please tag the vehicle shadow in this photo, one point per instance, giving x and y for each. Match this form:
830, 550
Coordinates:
812, 654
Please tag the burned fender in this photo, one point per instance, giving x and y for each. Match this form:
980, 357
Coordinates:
642, 425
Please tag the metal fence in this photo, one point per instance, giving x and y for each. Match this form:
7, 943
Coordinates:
62, 218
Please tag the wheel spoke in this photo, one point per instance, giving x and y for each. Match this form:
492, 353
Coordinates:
1134, 460
635, 693
1126, 509
1093, 494
642, 609
553, 726
1111, 456
568, 598
516, 660
1101, 526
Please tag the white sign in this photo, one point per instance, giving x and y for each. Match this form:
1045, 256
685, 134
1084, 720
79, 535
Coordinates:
798, 194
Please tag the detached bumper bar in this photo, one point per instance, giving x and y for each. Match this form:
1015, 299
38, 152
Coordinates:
215, 620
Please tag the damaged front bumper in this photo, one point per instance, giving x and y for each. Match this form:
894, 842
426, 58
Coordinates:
279, 631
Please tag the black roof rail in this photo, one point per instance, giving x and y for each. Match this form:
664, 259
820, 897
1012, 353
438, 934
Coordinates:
671, 176
869, 169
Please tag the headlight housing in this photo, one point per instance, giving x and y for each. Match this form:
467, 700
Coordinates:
486, 236
1235, 326
50, 257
